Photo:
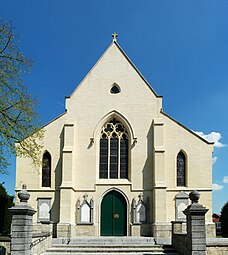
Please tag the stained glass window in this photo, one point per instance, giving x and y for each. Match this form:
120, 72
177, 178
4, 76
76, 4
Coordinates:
46, 170
114, 158
124, 158
103, 158
181, 169
113, 151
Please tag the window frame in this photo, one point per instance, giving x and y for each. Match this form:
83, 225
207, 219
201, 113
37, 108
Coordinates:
115, 89
183, 175
121, 136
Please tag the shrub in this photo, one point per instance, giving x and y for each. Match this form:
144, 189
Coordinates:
224, 220
6, 202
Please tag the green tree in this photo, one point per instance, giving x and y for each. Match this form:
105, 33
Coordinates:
224, 220
18, 119
6, 202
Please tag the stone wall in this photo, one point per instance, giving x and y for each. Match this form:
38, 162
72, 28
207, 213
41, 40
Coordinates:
210, 230
179, 240
217, 246
162, 233
41, 237
214, 246
140, 230
42, 228
41, 242
73, 230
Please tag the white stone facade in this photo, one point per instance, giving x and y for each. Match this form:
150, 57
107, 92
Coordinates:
154, 141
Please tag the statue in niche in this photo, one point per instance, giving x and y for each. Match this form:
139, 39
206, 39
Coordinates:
139, 211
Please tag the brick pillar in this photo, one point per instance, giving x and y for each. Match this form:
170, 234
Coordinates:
196, 233
21, 228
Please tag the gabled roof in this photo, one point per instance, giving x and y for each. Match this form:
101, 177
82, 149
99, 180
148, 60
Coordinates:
189, 130
129, 61
132, 64
58, 117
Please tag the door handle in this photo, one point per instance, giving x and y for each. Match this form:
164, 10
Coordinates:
116, 216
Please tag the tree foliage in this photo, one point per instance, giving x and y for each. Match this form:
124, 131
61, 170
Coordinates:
6, 202
18, 119
224, 220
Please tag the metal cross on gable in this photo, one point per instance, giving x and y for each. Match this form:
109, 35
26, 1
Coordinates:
114, 36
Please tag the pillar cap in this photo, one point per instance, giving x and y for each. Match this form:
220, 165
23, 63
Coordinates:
23, 194
195, 208
194, 196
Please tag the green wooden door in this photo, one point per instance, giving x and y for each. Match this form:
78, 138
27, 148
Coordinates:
113, 215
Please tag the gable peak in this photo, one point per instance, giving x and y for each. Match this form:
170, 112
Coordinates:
114, 45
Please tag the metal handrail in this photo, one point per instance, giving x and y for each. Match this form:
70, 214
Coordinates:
42, 236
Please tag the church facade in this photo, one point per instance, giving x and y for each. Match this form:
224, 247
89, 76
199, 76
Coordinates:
115, 164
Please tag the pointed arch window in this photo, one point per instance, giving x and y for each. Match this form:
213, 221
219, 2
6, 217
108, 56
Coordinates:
46, 170
113, 151
181, 169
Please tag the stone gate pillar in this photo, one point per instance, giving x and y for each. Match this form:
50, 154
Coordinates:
196, 232
21, 228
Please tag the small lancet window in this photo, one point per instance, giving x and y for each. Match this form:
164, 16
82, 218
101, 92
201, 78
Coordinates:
115, 89
181, 169
46, 170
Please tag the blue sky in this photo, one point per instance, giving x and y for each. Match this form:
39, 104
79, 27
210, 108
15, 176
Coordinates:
181, 48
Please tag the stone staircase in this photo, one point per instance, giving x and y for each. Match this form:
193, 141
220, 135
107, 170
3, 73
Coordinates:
108, 245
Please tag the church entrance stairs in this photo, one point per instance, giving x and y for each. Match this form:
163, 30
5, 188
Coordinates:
108, 245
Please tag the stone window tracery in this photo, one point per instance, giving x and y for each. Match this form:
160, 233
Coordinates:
113, 151
181, 169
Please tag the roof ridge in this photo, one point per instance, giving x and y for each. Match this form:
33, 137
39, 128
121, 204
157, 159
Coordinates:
129, 61
188, 129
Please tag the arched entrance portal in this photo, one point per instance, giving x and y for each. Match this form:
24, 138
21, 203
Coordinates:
113, 215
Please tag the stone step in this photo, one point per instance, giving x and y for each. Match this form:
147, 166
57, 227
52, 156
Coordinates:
108, 245
104, 241
111, 247
111, 252
114, 253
